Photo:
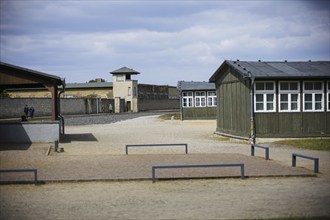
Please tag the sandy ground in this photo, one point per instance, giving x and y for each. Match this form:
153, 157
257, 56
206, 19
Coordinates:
186, 199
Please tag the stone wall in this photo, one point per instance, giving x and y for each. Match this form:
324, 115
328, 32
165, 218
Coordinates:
161, 104
13, 107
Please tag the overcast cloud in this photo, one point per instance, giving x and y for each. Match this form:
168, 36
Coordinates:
166, 41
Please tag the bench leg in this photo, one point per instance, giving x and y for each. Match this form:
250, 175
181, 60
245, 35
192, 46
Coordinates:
267, 153
153, 175
294, 160
316, 165
242, 171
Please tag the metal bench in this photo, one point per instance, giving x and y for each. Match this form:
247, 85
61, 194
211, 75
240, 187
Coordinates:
23, 170
253, 146
194, 166
155, 145
316, 161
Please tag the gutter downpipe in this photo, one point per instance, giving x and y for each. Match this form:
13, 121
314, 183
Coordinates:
252, 127
181, 108
59, 108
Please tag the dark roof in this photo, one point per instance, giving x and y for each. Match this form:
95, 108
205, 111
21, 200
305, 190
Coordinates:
258, 69
88, 85
125, 70
185, 86
33, 73
12, 76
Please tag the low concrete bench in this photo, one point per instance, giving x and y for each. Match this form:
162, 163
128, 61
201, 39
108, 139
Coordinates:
253, 146
316, 161
23, 170
155, 145
195, 166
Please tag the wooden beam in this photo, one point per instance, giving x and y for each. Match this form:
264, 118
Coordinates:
54, 104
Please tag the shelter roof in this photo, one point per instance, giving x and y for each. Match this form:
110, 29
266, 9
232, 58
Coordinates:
276, 70
12, 76
125, 70
193, 85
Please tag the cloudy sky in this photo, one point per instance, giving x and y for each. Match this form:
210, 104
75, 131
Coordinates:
166, 41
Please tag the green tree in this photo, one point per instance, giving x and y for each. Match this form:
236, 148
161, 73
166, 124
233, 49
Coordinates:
96, 80
4, 94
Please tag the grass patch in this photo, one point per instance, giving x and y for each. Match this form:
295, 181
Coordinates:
169, 116
300, 218
311, 144
220, 138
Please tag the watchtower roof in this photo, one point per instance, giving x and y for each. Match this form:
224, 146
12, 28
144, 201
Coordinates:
125, 70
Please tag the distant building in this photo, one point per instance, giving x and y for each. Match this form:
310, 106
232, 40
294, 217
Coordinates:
273, 99
125, 88
137, 97
198, 100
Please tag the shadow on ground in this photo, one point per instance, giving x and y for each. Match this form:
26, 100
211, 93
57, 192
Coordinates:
21, 147
68, 138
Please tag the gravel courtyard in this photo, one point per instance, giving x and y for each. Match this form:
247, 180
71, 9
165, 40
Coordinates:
252, 198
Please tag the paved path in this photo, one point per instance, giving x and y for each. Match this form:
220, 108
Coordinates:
95, 151
59, 167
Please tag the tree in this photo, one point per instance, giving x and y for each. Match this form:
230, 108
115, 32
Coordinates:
4, 94
96, 80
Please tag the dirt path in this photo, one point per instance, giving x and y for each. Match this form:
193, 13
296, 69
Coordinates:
188, 199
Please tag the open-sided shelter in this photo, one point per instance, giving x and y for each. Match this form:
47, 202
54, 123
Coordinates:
12, 76
273, 99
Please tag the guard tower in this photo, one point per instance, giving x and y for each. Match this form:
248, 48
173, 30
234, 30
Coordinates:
125, 88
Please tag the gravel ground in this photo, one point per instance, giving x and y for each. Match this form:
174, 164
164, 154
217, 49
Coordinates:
108, 118
252, 198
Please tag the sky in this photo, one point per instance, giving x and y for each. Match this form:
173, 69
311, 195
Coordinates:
166, 41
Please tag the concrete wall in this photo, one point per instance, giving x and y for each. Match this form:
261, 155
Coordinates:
161, 104
13, 108
26, 132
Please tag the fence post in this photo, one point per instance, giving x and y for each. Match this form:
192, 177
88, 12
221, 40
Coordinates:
56, 146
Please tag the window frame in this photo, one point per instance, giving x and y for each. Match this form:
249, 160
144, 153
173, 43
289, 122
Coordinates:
187, 98
198, 99
264, 92
289, 92
313, 93
214, 101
